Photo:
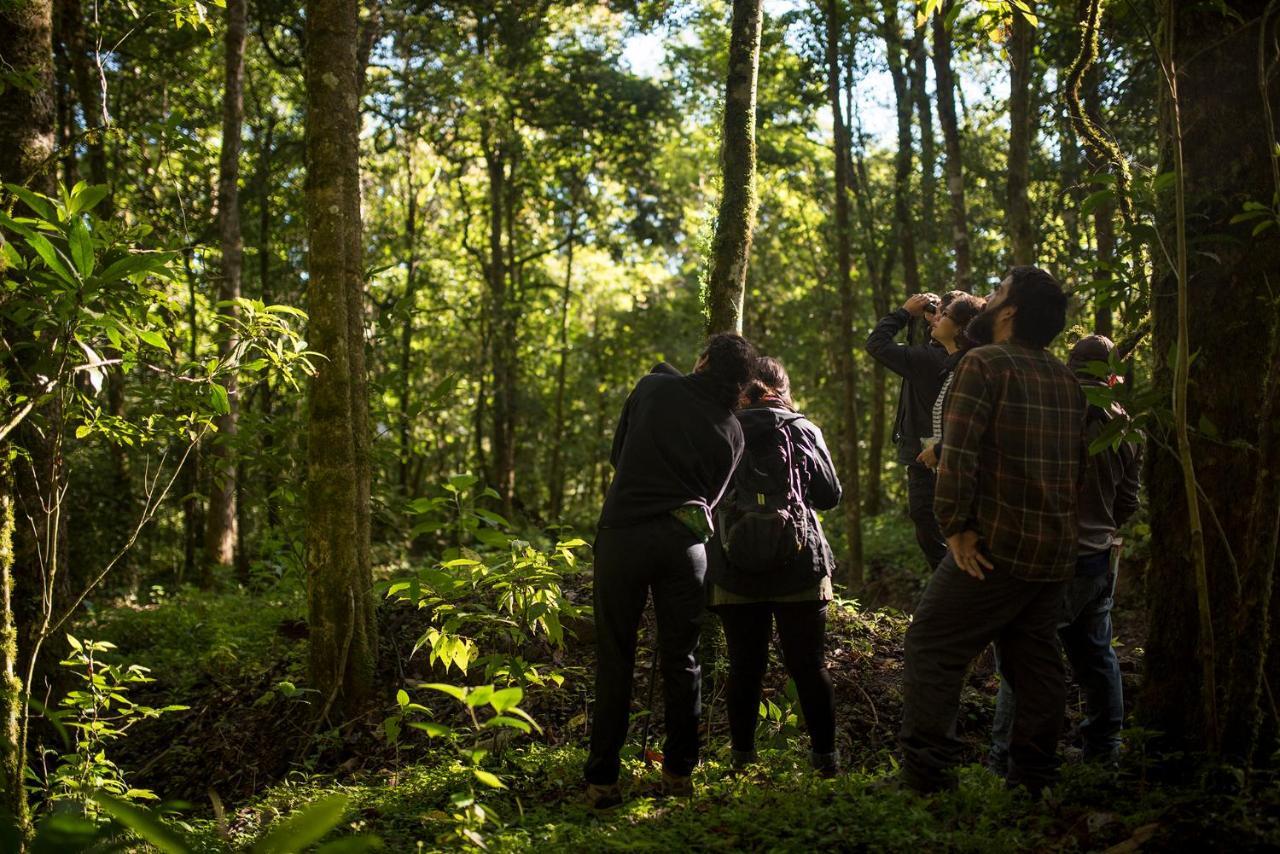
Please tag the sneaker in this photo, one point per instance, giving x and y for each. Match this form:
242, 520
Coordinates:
676, 785
603, 796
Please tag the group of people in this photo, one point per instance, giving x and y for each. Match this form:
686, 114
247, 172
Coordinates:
717, 482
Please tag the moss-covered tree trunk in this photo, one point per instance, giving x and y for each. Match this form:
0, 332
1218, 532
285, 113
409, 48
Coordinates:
844, 334
919, 77
944, 80
1233, 395
13, 797
731, 248
339, 580
220, 516
1021, 132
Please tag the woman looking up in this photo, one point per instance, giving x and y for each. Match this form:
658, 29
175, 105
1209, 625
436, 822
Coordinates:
949, 332
774, 564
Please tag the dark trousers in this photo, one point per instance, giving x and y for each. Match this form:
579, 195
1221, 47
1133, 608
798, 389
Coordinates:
1085, 632
920, 485
802, 628
663, 557
957, 617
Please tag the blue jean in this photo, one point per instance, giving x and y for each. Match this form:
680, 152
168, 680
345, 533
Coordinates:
1085, 633
662, 557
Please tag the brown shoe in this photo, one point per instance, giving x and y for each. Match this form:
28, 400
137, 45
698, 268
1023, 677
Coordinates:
603, 797
676, 786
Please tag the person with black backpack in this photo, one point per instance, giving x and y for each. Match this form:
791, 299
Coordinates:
774, 564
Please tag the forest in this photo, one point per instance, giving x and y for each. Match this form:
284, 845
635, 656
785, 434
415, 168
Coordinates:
318, 319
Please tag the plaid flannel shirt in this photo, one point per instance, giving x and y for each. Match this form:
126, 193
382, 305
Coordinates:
1013, 459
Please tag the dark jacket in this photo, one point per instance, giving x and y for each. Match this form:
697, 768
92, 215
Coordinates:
1109, 496
822, 491
675, 445
920, 367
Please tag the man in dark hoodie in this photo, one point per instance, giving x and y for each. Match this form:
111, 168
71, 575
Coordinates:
1107, 500
674, 451
920, 366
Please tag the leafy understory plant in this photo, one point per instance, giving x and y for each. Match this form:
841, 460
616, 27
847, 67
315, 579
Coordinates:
488, 607
99, 713
474, 743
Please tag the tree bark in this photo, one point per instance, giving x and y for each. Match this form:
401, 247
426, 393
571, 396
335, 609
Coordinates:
945, 82
731, 247
1021, 132
845, 343
1231, 324
892, 33
1104, 216
343, 641
265, 293
30, 558
556, 478
220, 515
406, 324
928, 149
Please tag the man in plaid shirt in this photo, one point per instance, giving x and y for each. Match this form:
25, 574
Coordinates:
1006, 497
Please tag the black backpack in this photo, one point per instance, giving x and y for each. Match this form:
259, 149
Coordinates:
764, 520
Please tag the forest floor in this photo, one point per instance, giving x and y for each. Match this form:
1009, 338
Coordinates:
238, 659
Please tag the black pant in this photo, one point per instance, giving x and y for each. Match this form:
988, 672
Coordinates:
957, 617
802, 630
662, 556
920, 486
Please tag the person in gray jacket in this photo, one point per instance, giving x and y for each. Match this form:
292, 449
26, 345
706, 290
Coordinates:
1108, 499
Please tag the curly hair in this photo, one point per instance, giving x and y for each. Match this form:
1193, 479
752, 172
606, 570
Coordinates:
729, 361
964, 308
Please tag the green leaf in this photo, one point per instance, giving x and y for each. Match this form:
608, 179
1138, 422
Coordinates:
85, 198
506, 698
135, 263
304, 828
218, 399
479, 695
454, 691
142, 822
42, 205
51, 258
1263, 226
504, 721
154, 338
81, 248
488, 778
402, 698
432, 729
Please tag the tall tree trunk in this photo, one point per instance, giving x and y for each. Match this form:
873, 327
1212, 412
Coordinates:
406, 325
343, 642
1021, 132
13, 796
556, 479
1104, 215
731, 248
946, 85
892, 32
192, 472
27, 121
844, 339
220, 517
265, 293
1230, 322
928, 149
502, 323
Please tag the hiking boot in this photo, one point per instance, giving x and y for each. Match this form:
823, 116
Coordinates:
740, 759
603, 796
826, 765
676, 785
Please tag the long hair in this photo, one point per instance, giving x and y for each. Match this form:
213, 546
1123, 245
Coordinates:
769, 379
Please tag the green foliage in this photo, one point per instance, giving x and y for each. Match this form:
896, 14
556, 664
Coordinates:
487, 607
99, 713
